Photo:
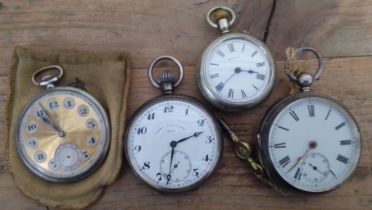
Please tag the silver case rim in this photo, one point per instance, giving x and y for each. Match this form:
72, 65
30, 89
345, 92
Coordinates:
38, 172
218, 101
262, 141
220, 144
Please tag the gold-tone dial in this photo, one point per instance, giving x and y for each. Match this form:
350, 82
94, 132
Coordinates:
63, 134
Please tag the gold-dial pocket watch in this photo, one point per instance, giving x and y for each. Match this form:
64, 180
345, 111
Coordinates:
237, 71
63, 134
306, 142
173, 143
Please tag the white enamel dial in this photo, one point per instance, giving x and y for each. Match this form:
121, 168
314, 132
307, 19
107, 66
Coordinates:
314, 144
237, 71
173, 144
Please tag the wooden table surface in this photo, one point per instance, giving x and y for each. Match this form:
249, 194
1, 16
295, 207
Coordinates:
339, 29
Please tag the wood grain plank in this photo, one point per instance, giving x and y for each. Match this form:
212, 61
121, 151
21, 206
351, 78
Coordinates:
144, 28
335, 27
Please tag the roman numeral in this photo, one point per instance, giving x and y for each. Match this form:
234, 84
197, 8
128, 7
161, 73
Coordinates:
345, 142
231, 47
298, 174
311, 109
260, 64
280, 145
243, 47
220, 86
243, 94
214, 64
284, 161
214, 75
283, 128
220, 53
254, 53
255, 87
340, 126
260, 76
329, 112
231, 93
342, 159
294, 115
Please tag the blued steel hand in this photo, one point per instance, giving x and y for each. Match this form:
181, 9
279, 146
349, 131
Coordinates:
49, 120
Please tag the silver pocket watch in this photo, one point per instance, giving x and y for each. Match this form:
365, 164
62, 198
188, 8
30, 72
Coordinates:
63, 134
173, 143
237, 71
309, 142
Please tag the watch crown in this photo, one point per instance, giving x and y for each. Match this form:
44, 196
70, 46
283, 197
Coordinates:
166, 80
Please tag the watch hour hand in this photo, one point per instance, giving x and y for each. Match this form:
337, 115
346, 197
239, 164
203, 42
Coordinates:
250, 71
196, 134
312, 145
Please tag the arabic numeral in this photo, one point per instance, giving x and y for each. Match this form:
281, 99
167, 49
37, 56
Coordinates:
146, 165
159, 176
137, 148
209, 140
168, 109
206, 158
142, 130
40, 113
53, 105
201, 122
151, 116
196, 172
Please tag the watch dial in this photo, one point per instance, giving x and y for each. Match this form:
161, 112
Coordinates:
237, 70
314, 144
173, 144
63, 134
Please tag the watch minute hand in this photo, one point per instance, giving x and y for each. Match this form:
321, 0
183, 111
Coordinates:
49, 120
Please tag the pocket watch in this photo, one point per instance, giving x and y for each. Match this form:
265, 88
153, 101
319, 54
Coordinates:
306, 142
237, 71
173, 143
63, 134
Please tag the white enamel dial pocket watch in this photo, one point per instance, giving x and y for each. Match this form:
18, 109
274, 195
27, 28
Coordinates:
63, 134
308, 142
173, 143
237, 71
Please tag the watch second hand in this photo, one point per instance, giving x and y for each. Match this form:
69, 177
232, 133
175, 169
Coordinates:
316, 169
175, 166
